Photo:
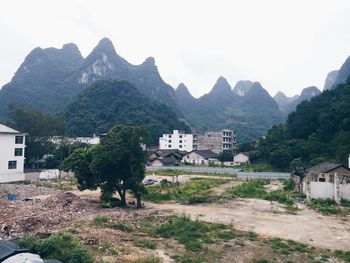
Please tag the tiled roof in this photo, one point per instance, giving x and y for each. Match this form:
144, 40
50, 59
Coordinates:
325, 167
206, 153
5, 129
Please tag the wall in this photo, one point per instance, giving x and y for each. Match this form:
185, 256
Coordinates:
194, 158
321, 190
156, 163
240, 158
345, 191
7, 153
185, 143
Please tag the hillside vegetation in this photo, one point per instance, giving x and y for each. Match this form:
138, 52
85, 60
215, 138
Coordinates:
318, 130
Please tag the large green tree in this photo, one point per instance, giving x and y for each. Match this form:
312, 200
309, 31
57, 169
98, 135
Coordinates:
115, 165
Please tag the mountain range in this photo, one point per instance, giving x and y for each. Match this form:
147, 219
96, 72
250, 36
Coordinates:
289, 104
50, 79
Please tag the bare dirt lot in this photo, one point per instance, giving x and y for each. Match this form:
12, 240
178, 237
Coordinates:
42, 210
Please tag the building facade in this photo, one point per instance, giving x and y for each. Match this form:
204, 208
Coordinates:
12, 147
201, 157
218, 141
177, 141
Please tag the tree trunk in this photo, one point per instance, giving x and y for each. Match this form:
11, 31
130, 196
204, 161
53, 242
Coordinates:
138, 200
123, 198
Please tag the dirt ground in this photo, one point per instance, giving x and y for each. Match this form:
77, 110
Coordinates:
271, 220
45, 211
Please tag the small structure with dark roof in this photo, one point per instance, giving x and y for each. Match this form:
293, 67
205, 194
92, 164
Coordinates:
165, 157
201, 157
9, 249
327, 180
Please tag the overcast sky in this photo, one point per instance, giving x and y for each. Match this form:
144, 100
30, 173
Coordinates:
286, 45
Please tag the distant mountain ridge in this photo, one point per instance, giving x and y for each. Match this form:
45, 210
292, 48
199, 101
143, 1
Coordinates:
50, 78
247, 108
289, 104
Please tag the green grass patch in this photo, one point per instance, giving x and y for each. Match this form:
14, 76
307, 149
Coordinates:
197, 190
194, 235
146, 243
287, 246
58, 246
106, 222
325, 206
255, 189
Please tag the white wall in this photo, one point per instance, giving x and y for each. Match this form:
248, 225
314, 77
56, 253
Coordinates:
240, 158
321, 190
175, 142
345, 191
156, 163
7, 153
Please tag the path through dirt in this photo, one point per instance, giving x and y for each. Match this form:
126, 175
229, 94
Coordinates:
270, 220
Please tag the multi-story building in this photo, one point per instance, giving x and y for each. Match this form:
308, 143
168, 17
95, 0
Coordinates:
178, 141
12, 146
219, 141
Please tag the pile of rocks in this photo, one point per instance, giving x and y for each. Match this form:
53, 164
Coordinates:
36, 216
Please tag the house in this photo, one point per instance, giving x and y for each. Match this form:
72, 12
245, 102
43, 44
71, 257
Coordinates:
12, 149
201, 157
241, 158
217, 141
165, 157
178, 141
327, 180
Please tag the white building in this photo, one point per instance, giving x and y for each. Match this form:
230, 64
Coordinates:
201, 157
12, 146
241, 158
177, 141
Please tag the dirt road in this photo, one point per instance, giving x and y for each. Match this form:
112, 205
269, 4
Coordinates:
270, 220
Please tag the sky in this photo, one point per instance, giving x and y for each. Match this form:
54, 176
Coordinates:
286, 45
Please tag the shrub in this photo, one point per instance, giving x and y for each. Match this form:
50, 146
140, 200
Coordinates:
58, 246
145, 243
325, 206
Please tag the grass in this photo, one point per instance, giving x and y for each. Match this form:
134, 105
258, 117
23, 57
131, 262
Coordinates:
106, 222
325, 206
257, 167
171, 172
146, 243
255, 189
287, 246
197, 190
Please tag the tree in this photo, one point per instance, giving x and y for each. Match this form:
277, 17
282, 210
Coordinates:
115, 165
226, 156
40, 127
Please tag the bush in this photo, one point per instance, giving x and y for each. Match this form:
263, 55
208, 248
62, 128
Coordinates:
289, 185
325, 206
58, 246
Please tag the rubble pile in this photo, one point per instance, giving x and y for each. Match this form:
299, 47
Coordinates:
37, 217
24, 191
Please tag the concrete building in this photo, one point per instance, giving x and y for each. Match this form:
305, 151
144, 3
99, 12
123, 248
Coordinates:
241, 158
201, 157
12, 146
326, 180
177, 141
219, 141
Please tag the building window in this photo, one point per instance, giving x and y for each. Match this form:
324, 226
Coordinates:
180, 136
12, 165
180, 141
19, 140
180, 146
169, 146
18, 152
169, 141
322, 179
169, 135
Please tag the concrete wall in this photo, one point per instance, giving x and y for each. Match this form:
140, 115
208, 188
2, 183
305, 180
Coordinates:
7, 153
321, 190
156, 163
345, 191
176, 141
240, 158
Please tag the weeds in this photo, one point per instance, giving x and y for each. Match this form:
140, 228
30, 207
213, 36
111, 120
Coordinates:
145, 243
325, 206
287, 246
197, 190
